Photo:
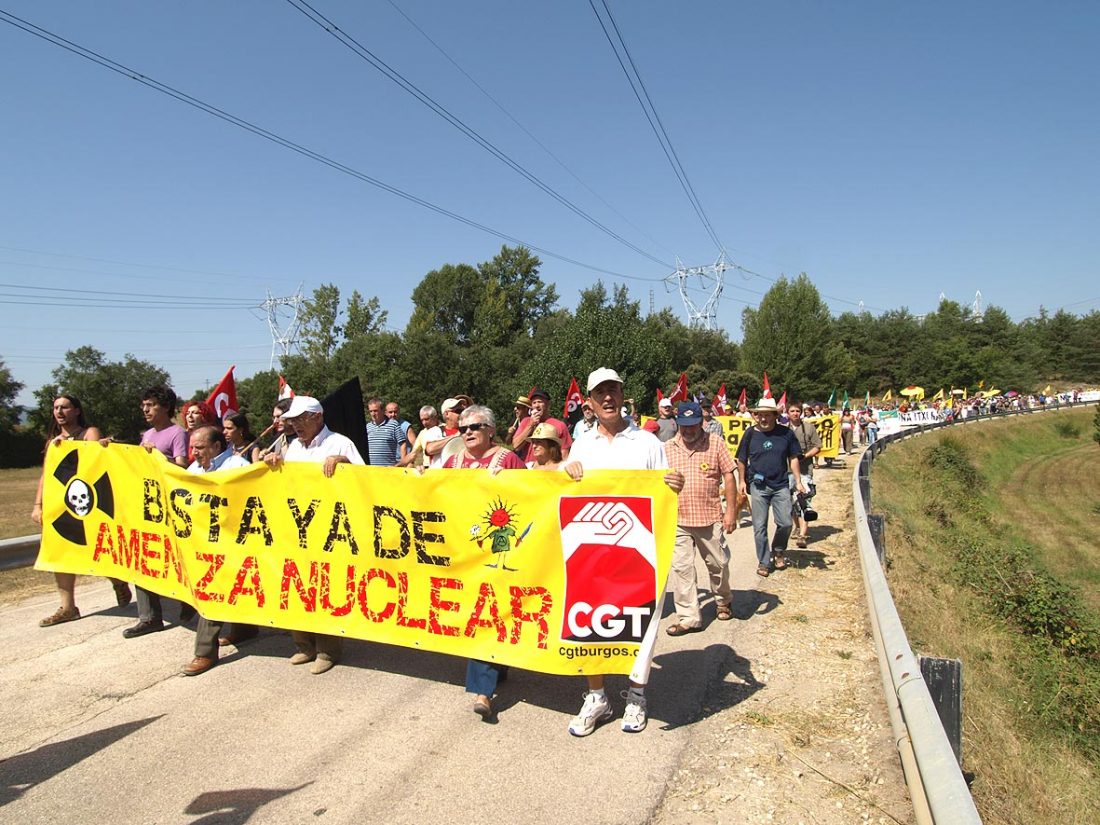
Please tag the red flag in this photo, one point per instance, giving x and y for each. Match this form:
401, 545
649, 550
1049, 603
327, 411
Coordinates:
681, 391
767, 387
783, 399
719, 405
223, 398
573, 401
742, 400
285, 390
660, 395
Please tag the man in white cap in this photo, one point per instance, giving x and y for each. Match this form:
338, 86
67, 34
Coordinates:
315, 443
766, 459
617, 443
666, 420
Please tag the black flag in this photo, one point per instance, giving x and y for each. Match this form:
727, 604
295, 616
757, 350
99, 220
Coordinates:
344, 414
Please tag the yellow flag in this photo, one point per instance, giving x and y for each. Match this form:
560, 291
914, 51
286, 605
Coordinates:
981, 384
889, 396
950, 404
1047, 390
938, 396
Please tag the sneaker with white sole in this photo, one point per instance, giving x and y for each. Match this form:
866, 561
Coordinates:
596, 709
634, 717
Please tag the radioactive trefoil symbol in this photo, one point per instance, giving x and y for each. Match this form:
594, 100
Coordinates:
81, 498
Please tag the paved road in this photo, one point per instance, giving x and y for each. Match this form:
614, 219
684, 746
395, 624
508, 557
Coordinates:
102, 729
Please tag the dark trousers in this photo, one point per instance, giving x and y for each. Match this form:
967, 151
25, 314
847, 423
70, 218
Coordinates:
482, 677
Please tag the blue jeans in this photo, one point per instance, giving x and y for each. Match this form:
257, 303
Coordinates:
482, 677
779, 502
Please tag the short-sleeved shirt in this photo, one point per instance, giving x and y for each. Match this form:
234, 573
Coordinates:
698, 504
324, 444
171, 441
384, 442
631, 449
508, 460
808, 438
524, 451
226, 461
666, 429
426, 435
768, 454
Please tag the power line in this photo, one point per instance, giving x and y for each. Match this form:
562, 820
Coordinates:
500, 106
125, 263
653, 117
199, 300
183, 97
366, 54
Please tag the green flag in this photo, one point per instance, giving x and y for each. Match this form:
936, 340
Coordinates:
845, 400
832, 398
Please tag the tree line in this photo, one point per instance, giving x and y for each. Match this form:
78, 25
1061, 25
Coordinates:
496, 329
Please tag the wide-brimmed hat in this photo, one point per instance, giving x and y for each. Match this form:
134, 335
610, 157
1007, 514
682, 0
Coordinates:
545, 432
301, 405
522, 401
766, 405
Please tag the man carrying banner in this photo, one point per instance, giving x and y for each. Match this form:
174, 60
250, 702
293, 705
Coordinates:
617, 443
316, 443
212, 452
703, 460
766, 457
158, 406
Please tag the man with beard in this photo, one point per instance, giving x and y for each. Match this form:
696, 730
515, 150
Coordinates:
700, 523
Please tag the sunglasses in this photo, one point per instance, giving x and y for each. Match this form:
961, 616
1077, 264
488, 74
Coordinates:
474, 428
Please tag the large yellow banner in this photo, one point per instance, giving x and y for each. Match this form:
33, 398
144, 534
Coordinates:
828, 427
525, 568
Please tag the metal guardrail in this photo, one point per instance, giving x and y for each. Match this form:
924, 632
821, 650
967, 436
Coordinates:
936, 784
19, 552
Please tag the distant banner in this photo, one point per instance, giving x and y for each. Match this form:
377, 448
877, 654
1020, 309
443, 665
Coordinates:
734, 427
915, 418
525, 568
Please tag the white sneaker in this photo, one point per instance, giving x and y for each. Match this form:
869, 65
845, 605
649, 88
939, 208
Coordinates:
596, 709
634, 717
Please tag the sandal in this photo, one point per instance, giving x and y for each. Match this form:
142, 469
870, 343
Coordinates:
724, 614
680, 630
800, 542
780, 561
60, 616
762, 571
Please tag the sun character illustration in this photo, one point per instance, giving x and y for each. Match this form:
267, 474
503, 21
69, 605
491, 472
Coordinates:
499, 523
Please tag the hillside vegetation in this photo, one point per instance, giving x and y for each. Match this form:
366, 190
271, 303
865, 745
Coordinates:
991, 538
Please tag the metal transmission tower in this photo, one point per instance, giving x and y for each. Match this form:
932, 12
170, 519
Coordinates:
711, 278
283, 336
976, 307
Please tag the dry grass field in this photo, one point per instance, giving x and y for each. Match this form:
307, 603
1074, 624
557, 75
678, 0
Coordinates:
17, 489
1030, 499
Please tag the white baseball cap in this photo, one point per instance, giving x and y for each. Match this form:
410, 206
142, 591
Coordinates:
597, 377
302, 404
665, 402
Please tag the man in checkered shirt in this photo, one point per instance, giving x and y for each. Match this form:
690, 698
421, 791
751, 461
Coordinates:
704, 459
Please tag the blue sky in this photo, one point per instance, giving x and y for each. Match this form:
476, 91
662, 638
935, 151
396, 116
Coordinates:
890, 151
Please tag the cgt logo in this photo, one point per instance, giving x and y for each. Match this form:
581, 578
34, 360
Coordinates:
610, 557
80, 499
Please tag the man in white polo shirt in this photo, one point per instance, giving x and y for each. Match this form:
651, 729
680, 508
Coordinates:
315, 443
617, 443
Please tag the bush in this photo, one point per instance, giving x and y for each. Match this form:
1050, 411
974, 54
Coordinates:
20, 449
1067, 429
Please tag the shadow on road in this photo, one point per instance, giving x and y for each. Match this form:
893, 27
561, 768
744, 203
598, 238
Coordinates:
25, 770
744, 604
715, 663
234, 807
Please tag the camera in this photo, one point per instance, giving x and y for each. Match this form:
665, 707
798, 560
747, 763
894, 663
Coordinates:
808, 511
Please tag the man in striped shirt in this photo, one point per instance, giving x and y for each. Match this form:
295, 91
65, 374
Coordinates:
384, 436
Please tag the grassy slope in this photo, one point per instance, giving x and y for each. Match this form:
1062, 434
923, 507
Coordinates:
17, 489
1032, 499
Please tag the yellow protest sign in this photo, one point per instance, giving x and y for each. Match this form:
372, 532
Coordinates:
525, 568
828, 427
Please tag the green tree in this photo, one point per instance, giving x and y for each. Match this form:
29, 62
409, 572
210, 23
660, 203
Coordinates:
789, 335
364, 317
320, 332
10, 412
110, 391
